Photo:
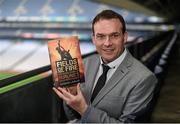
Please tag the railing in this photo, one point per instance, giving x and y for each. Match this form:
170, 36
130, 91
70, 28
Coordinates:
28, 97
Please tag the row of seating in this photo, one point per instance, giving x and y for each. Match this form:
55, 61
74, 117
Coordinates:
155, 54
57, 10
164, 59
161, 68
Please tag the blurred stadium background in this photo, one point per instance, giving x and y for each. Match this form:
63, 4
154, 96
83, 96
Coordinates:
27, 25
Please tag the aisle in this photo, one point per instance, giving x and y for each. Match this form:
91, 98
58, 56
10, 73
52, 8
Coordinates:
168, 105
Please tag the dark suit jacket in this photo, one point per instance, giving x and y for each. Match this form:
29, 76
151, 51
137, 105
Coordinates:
127, 93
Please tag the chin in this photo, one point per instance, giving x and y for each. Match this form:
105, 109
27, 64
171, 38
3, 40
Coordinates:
108, 60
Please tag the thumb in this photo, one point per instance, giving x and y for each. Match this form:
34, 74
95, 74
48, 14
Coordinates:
78, 89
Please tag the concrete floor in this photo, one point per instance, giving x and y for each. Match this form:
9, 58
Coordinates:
167, 109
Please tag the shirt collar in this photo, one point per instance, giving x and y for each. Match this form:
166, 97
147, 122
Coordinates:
117, 61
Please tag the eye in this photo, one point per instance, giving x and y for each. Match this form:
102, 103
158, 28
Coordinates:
100, 37
115, 35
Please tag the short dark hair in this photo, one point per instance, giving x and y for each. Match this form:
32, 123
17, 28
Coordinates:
109, 14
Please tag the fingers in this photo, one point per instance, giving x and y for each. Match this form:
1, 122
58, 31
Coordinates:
77, 102
65, 92
60, 94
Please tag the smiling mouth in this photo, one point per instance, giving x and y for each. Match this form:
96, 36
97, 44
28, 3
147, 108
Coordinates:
107, 50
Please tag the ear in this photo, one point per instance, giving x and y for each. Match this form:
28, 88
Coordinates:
93, 38
125, 37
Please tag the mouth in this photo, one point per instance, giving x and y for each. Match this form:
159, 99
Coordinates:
108, 50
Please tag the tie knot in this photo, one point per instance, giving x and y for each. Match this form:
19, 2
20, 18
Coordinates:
105, 68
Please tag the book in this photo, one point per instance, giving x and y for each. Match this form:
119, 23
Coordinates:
66, 61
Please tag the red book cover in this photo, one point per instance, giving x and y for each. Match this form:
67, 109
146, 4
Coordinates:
66, 61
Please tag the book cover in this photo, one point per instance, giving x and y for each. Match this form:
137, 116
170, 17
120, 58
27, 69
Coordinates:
66, 61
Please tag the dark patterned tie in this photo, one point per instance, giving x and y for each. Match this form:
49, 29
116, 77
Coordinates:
101, 82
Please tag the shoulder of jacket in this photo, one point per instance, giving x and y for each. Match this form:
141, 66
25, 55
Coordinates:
91, 57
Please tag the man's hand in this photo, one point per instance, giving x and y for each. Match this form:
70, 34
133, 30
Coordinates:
77, 102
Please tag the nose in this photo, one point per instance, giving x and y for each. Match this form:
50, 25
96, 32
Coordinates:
107, 42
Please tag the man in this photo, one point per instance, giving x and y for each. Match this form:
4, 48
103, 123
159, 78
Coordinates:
65, 55
129, 85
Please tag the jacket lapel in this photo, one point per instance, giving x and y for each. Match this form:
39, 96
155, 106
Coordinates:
91, 74
118, 75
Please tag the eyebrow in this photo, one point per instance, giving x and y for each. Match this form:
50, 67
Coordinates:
100, 34
108, 34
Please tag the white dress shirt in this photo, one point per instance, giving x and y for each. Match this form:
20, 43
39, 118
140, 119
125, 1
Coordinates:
113, 66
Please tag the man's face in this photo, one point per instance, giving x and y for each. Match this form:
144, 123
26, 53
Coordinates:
109, 39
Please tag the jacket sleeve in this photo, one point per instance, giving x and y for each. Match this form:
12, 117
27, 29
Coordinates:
70, 113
